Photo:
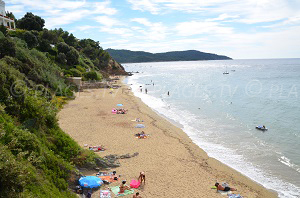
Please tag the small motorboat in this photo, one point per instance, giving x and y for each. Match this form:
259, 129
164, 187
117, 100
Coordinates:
262, 128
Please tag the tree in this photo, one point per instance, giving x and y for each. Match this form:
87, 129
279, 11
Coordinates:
3, 29
61, 58
7, 47
31, 22
10, 15
45, 46
72, 57
30, 39
63, 48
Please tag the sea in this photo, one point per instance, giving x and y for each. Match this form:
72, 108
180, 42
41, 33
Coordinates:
220, 112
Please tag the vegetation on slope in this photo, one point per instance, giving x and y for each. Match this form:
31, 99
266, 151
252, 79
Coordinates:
127, 56
37, 159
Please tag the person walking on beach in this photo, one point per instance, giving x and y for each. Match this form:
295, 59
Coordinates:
142, 177
227, 188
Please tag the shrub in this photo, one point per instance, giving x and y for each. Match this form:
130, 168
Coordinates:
75, 72
30, 39
7, 47
92, 75
1, 35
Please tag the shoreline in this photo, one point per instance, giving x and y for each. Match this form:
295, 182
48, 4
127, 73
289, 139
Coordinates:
174, 165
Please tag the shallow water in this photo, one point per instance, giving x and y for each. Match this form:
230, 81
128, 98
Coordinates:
219, 112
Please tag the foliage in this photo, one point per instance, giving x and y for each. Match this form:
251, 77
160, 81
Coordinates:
92, 75
1, 35
10, 15
3, 29
31, 22
37, 159
75, 72
30, 39
72, 56
7, 47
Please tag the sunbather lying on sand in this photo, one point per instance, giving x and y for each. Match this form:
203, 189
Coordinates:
141, 135
121, 111
96, 148
220, 187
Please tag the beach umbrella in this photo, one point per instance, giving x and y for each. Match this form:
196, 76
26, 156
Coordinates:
119, 105
140, 126
90, 182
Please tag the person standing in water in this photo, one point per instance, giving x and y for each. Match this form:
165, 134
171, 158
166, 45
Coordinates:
168, 93
146, 90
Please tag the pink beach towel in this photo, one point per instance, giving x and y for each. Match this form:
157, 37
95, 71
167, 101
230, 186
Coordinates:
134, 184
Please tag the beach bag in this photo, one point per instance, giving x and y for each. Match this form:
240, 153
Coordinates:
105, 194
134, 184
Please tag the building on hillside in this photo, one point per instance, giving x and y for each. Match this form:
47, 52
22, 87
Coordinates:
5, 20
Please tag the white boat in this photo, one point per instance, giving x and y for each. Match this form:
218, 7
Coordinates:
226, 72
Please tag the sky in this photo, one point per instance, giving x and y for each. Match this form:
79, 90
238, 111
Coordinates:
240, 29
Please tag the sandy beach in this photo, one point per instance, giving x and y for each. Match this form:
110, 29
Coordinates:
173, 164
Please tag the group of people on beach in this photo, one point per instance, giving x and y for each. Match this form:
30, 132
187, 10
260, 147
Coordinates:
121, 111
123, 186
141, 135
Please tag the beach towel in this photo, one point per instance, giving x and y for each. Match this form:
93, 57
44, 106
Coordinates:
116, 190
234, 196
108, 178
224, 192
135, 184
105, 194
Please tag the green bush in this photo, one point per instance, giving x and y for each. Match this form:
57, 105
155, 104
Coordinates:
1, 35
75, 72
7, 47
30, 39
92, 75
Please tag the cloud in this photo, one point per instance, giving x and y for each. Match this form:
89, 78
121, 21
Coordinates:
142, 21
204, 27
249, 11
223, 17
62, 12
107, 21
124, 32
144, 5
151, 31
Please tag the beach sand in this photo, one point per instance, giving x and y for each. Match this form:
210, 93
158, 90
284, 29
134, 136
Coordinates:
174, 166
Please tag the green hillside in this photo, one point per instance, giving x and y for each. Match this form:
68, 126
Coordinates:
127, 56
37, 159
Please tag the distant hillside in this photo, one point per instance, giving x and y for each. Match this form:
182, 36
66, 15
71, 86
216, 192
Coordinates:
127, 56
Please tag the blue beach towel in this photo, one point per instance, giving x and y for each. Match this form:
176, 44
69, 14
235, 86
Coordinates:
234, 196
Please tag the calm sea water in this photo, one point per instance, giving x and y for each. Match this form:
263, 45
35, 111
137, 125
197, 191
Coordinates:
220, 111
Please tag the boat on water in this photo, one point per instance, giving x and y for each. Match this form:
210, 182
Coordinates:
226, 72
262, 128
